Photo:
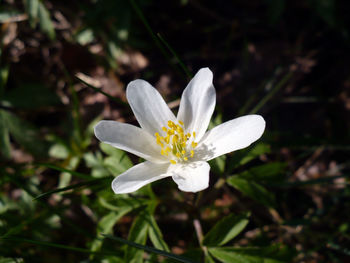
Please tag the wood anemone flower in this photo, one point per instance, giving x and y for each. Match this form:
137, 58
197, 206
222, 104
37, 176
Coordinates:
177, 147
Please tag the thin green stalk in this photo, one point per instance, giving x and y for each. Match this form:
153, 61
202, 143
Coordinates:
61, 169
73, 186
120, 102
172, 51
55, 245
148, 28
154, 36
272, 92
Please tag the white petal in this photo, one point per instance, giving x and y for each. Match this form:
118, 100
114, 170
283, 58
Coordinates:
191, 177
198, 103
129, 138
230, 136
149, 108
138, 176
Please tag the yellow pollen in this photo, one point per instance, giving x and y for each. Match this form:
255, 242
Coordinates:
176, 143
170, 124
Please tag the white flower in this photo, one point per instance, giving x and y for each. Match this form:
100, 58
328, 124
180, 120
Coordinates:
175, 146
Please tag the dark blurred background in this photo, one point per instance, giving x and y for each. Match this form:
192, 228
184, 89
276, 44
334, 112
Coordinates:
286, 60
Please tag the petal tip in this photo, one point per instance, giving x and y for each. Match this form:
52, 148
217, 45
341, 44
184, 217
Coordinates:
99, 128
117, 189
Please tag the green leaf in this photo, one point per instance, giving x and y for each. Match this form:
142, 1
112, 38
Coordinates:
32, 8
218, 164
5, 146
24, 133
31, 96
138, 234
4, 74
244, 156
96, 162
45, 22
245, 255
65, 178
253, 190
59, 151
266, 172
225, 230
150, 249
156, 235
118, 161
105, 225
209, 259
119, 203
85, 36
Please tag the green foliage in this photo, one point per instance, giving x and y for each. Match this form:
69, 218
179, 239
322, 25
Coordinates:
253, 190
225, 230
30, 96
248, 255
23, 132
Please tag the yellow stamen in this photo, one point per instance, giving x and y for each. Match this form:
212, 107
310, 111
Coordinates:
174, 142
170, 124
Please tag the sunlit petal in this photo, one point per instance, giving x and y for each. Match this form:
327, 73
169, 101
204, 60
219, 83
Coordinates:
230, 136
191, 177
149, 108
138, 176
198, 103
129, 138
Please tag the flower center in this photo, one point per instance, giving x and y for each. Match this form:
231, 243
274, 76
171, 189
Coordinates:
176, 144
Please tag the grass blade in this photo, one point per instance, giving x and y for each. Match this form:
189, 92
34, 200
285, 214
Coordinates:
271, 93
55, 245
61, 169
149, 249
148, 28
81, 77
172, 51
73, 186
